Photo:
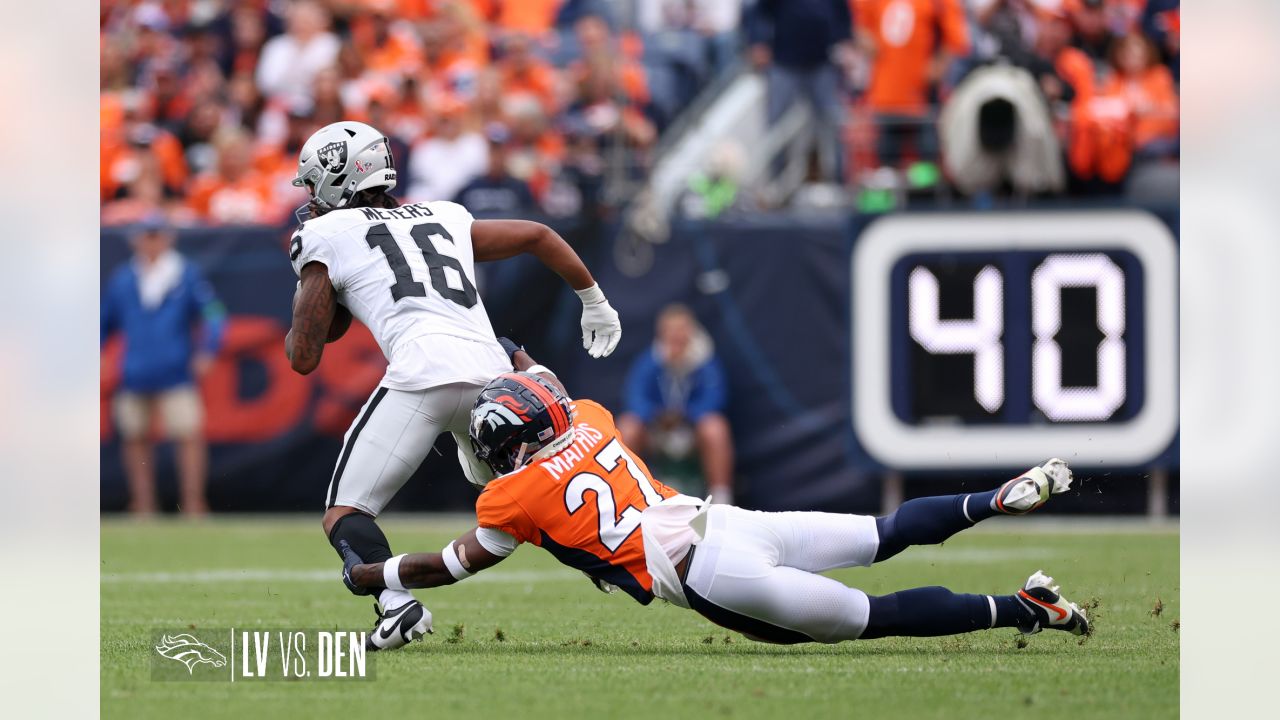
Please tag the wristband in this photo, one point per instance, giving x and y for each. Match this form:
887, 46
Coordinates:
592, 295
391, 574
541, 369
453, 564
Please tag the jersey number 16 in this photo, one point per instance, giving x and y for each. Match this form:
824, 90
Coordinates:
379, 236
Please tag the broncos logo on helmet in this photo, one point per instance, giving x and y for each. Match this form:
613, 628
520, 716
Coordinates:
516, 416
496, 413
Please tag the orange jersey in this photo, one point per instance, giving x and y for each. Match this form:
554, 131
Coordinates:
582, 504
906, 35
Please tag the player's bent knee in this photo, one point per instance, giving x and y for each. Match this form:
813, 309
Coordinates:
333, 515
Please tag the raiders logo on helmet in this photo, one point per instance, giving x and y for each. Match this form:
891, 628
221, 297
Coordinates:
333, 157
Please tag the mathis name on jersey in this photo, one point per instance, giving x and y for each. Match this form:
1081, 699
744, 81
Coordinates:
585, 440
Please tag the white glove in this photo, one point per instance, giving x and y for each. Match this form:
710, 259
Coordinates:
601, 329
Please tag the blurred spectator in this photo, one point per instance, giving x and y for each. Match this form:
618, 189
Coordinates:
136, 143
1003, 28
530, 17
326, 103
796, 42
158, 301
1147, 87
443, 163
245, 104
387, 47
520, 71
912, 44
1161, 21
677, 389
715, 190
601, 48
1065, 74
1092, 31
451, 57
290, 62
196, 135
605, 108
235, 191
496, 192
143, 197
577, 191
714, 21
248, 32
378, 115
535, 150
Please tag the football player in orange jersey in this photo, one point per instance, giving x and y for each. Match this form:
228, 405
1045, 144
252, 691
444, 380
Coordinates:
566, 482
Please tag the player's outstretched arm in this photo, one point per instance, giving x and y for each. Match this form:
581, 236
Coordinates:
459, 560
314, 305
501, 239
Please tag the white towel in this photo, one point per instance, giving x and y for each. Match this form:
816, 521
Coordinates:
157, 280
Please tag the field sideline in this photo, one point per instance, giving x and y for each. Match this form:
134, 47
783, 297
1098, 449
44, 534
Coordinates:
533, 639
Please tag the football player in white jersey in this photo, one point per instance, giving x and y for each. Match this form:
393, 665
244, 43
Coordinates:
408, 273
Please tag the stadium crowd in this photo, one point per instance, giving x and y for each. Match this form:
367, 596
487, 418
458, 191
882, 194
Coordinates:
523, 106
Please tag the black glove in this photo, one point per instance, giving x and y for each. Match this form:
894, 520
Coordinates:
510, 348
349, 560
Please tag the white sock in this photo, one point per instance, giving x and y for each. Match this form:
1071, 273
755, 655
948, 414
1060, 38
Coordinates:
392, 599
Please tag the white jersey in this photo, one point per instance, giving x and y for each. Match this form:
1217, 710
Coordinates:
408, 274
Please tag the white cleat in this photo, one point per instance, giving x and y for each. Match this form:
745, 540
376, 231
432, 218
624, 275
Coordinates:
1032, 489
399, 627
1053, 612
1059, 473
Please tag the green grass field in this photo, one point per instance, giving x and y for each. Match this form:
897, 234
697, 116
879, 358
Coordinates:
532, 639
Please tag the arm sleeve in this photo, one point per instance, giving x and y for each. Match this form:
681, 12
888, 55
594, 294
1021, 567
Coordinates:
637, 398
497, 510
710, 393
497, 542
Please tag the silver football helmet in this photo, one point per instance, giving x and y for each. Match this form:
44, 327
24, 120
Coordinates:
342, 159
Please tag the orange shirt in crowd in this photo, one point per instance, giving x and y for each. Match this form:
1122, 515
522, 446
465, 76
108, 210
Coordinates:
120, 161
538, 80
1152, 100
248, 199
535, 17
398, 54
905, 35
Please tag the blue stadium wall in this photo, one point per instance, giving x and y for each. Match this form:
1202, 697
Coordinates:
774, 291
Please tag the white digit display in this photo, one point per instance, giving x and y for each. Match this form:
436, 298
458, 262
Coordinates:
1071, 243
979, 336
1060, 403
